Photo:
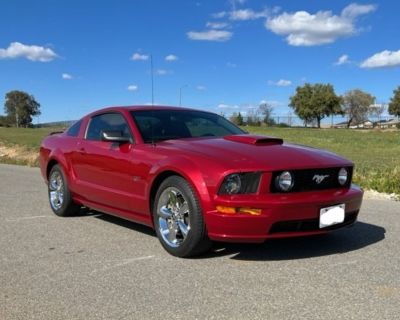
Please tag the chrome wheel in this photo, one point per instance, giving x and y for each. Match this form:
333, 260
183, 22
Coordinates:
173, 217
56, 190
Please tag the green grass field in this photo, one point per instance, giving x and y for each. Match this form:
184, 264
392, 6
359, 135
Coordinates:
376, 154
27, 137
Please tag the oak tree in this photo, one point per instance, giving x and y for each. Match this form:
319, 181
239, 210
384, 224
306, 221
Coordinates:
313, 102
356, 105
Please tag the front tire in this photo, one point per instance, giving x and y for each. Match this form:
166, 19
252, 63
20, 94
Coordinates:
59, 194
178, 219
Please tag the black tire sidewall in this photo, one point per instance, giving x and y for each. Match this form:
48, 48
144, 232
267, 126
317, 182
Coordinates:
68, 208
196, 237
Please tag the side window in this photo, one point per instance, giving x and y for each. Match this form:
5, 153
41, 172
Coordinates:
73, 131
107, 122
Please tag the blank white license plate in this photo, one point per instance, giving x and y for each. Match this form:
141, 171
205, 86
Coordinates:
331, 215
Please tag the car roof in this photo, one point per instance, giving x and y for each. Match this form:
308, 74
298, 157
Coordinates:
142, 108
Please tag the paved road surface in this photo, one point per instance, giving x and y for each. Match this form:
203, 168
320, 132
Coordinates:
100, 267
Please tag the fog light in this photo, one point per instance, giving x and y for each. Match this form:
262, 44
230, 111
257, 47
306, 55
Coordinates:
284, 182
342, 176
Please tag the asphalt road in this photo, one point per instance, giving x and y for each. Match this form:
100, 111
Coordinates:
99, 267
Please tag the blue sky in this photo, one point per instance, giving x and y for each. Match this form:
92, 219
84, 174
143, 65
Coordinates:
77, 56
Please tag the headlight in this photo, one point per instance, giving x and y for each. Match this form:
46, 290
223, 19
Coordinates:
343, 176
232, 184
240, 183
284, 182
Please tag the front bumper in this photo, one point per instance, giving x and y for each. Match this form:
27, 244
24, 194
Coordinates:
282, 215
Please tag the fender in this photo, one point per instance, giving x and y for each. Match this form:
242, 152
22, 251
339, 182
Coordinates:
188, 170
57, 155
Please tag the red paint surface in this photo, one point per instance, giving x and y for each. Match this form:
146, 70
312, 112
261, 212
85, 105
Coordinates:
118, 179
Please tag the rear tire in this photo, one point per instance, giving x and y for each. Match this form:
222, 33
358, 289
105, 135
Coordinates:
178, 219
59, 194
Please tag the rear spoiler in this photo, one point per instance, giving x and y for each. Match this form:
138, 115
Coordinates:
56, 132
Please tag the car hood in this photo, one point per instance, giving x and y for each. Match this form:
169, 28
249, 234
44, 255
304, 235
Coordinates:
252, 152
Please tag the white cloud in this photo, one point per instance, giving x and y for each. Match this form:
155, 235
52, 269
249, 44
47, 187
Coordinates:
246, 14
219, 15
354, 10
66, 76
343, 59
280, 83
171, 57
272, 103
161, 72
227, 106
30, 52
217, 25
304, 29
210, 35
201, 88
238, 1
231, 65
382, 59
139, 57
133, 87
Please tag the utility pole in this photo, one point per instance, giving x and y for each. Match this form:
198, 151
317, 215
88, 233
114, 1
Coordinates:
16, 117
152, 79
180, 94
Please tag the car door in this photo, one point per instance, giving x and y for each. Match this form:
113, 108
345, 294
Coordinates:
104, 169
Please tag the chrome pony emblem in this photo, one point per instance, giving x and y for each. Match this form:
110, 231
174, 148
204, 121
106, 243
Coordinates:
318, 178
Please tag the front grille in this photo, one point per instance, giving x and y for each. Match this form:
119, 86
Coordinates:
308, 180
310, 224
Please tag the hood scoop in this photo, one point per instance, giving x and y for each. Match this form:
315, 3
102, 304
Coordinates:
256, 140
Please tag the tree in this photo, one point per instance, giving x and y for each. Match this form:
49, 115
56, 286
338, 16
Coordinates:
5, 121
233, 117
356, 104
314, 102
21, 106
236, 118
394, 104
376, 110
266, 110
239, 119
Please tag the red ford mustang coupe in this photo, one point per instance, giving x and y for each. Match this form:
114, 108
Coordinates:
195, 177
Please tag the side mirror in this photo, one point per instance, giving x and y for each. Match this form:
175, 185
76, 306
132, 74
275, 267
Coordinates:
115, 136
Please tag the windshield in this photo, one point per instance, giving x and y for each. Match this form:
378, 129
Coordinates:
158, 125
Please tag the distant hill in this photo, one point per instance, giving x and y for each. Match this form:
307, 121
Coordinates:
65, 124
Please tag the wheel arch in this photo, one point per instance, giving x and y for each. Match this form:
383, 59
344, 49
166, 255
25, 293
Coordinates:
57, 157
156, 184
195, 180
50, 165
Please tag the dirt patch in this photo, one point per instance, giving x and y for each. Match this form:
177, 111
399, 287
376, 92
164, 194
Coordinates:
18, 155
372, 194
